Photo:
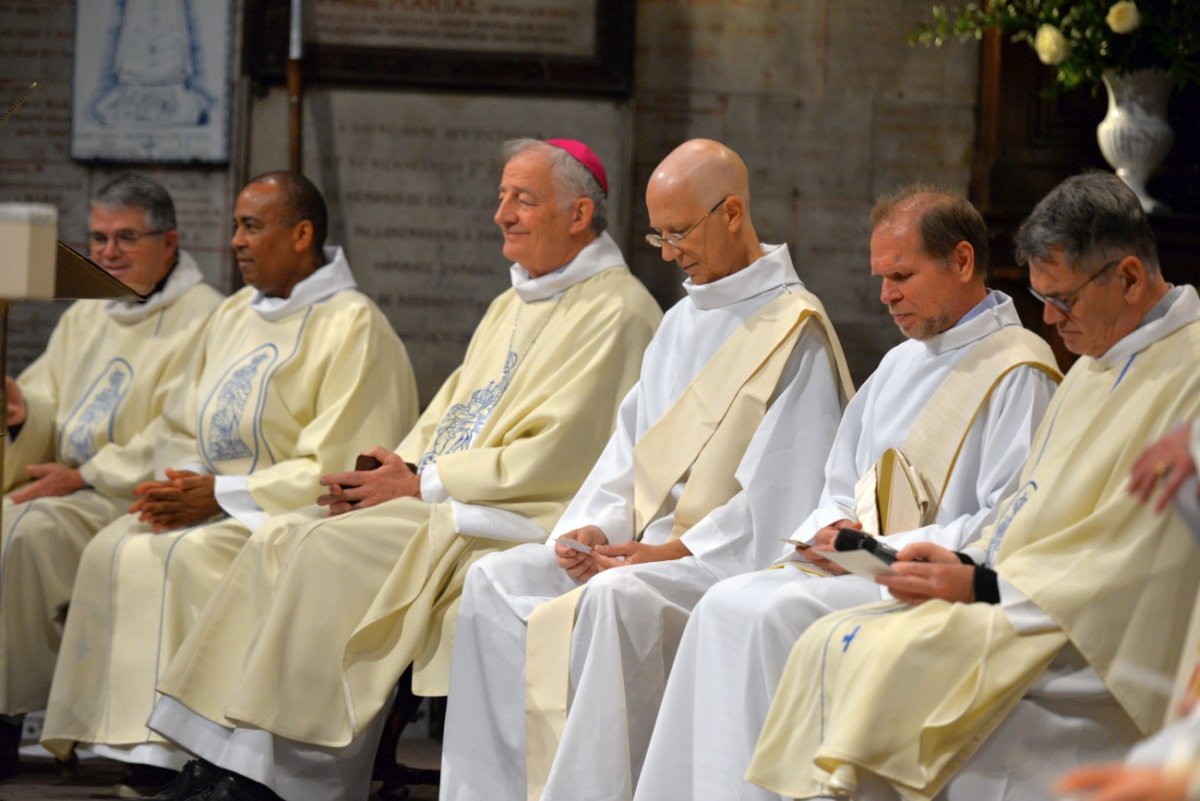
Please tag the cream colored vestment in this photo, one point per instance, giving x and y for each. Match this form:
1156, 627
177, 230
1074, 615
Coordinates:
277, 398
1115, 578
513, 429
106, 372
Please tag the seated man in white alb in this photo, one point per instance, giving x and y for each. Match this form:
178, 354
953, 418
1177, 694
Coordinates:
929, 249
72, 421
294, 375
717, 449
1026, 652
284, 688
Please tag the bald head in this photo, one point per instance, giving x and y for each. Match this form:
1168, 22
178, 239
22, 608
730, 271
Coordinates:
698, 199
705, 169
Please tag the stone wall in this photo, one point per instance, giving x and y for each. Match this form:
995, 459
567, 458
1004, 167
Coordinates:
829, 107
823, 98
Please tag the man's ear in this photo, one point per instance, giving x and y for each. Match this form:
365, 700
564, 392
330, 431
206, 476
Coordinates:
1131, 272
302, 236
961, 261
171, 242
582, 211
734, 212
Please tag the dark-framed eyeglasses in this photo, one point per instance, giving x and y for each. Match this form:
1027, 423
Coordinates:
675, 240
1064, 303
123, 239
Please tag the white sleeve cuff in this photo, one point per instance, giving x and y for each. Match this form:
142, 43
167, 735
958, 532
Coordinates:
1024, 615
233, 495
975, 554
474, 520
432, 488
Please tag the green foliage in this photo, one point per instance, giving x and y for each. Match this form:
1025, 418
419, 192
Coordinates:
1167, 36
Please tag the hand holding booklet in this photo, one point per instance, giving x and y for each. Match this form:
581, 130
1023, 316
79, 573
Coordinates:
574, 544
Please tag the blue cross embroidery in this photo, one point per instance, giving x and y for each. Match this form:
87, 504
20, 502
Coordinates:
849, 638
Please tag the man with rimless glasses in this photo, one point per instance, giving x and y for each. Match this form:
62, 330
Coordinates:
71, 416
718, 449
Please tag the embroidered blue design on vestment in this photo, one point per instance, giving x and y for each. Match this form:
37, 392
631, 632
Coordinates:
849, 638
1018, 503
224, 441
96, 410
462, 422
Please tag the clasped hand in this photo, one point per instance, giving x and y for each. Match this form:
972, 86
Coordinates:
184, 499
582, 566
357, 489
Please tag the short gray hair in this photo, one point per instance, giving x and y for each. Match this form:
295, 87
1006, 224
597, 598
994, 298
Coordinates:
1090, 215
573, 178
131, 191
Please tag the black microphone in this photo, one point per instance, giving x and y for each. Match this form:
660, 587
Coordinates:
851, 539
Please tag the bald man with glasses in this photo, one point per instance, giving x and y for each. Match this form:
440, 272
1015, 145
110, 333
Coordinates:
718, 448
72, 416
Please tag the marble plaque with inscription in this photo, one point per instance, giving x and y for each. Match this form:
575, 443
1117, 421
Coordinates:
411, 182
542, 27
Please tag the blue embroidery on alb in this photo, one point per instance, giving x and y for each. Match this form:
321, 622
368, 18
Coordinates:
849, 638
462, 422
224, 441
96, 410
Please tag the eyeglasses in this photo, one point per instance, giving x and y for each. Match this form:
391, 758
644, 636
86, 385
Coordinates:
123, 239
1064, 303
675, 240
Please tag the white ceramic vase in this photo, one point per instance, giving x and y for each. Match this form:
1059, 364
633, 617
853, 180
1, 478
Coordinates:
1134, 136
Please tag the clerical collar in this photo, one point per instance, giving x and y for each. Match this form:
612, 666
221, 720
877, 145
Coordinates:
597, 256
989, 315
183, 276
773, 270
1180, 307
325, 282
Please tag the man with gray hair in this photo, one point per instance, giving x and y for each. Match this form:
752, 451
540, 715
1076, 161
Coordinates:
1028, 651
72, 416
492, 462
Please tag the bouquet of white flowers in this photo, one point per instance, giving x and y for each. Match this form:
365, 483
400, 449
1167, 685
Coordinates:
1083, 39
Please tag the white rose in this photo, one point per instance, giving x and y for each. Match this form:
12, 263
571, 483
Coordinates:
1051, 45
1123, 17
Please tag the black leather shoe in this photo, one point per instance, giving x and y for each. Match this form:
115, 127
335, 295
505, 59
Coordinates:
10, 744
141, 781
232, 787
196, 776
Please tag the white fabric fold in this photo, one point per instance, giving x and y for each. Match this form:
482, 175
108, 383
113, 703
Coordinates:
325, 282
596, 257
233, 495
185, 275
